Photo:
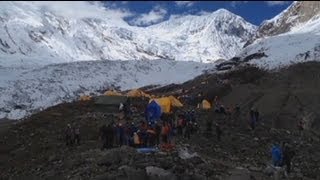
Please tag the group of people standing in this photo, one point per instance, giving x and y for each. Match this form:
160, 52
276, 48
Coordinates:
148, 134
72, 135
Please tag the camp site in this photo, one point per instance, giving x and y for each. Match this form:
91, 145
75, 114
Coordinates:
178, 121
159, 90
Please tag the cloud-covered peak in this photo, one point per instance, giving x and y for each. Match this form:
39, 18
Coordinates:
155, 15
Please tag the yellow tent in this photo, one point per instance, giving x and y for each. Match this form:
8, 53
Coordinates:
85, 98
205, 104
112, 93
137, 93
167, 102
175, 102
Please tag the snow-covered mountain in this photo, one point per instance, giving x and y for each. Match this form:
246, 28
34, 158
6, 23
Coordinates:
36, 33
24, 91
297, 14
291, 37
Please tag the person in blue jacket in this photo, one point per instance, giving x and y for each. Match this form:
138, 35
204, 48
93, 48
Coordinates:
276, 153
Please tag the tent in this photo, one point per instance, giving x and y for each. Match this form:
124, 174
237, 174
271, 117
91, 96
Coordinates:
112, 93
175, 102
109, 103
153, 111
166, 103
137, 93
110, 100
85, 98
205, 104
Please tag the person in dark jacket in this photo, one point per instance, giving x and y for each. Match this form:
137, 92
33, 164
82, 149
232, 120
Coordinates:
218, 132
188, 130
107, 135
252, 119
288, 154
69, 135
256, 115
158, 132
208, 127
76, 131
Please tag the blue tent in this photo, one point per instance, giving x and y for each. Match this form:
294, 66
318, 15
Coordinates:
153, 111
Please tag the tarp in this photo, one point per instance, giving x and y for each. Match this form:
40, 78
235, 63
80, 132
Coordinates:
205, 104
153, 111
167, 102
111, 100
112, 93
147, 150
137, 93
85, 98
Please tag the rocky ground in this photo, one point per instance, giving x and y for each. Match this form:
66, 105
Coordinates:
34, 148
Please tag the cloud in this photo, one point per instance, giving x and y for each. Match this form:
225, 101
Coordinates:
235, 3
157, 14
203, 13
276, 3
184, 3
78, 9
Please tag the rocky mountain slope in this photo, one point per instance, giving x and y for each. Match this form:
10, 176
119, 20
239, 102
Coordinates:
41, 33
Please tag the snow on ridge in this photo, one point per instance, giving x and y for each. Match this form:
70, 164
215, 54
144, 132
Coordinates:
36, 31
30, 90
300, 45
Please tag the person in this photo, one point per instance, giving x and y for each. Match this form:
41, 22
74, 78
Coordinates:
188, 130
68, 135
121, 107
208, 127
158, 132
143, 133
107, 135
218, 132
121, 134
300, 125
77, 135
276, 153
237, 108
288, 154
228, 111
181, 125
193, 116
216, 101
196, 128
151, 136
103, 136
223, 110
165, 132
136, 139
252, 119
256, 115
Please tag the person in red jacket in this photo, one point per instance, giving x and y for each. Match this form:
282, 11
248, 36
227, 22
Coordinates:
165, 132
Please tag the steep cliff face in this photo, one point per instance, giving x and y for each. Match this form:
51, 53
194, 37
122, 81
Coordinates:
296, 15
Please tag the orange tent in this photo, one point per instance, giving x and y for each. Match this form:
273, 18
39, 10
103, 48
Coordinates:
112, 93
85, 98
137, 93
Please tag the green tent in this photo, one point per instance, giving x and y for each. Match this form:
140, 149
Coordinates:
109, 103
110, 100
